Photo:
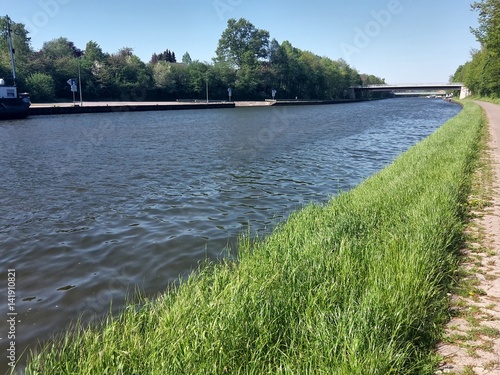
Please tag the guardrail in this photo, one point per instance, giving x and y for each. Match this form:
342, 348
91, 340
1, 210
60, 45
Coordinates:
452, 84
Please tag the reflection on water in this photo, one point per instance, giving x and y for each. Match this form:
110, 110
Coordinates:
93, 206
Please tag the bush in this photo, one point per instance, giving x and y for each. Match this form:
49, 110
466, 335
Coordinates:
41, 87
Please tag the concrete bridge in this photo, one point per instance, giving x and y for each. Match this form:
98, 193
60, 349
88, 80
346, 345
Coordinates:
355, 91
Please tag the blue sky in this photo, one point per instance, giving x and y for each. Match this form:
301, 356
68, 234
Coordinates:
403, 41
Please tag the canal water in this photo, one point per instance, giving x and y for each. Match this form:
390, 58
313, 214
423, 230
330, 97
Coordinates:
94, 207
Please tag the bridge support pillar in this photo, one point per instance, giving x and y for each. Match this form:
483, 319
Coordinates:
464, 92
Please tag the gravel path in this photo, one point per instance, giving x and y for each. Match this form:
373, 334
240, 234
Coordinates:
472, 345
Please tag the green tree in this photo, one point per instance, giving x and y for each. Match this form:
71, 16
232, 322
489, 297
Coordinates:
245, 60
249, 83
124, 76
314, 76
242, 44
170, 80
91, 65
58, 58
370, 79
221, 77
93, 52
22, 47
459, 74
291, 70
278, 65
197, 73
482, 74
41, 87
167, 56
488, 32
303, 74
333, 84
186, 58
61, 48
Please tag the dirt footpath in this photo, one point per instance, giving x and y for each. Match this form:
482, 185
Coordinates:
472, 343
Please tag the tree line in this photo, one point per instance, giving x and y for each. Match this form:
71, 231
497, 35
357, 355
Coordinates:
482, 73
246, 60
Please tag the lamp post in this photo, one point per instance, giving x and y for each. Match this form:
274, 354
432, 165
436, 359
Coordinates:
80, 79
80, 82
207, 88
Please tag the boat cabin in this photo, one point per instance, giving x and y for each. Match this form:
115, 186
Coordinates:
7, 91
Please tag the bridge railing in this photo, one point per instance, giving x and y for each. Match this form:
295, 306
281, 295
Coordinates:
452, 84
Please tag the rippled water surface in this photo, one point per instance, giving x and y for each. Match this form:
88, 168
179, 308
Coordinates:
94, 206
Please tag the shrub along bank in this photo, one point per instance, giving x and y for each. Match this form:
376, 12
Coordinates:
355, 286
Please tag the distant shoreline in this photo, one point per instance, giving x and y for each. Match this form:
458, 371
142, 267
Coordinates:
38, 109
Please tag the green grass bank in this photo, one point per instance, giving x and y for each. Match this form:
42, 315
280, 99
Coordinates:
484, 99
355, 286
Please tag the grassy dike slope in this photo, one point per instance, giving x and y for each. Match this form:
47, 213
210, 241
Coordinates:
356, 286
